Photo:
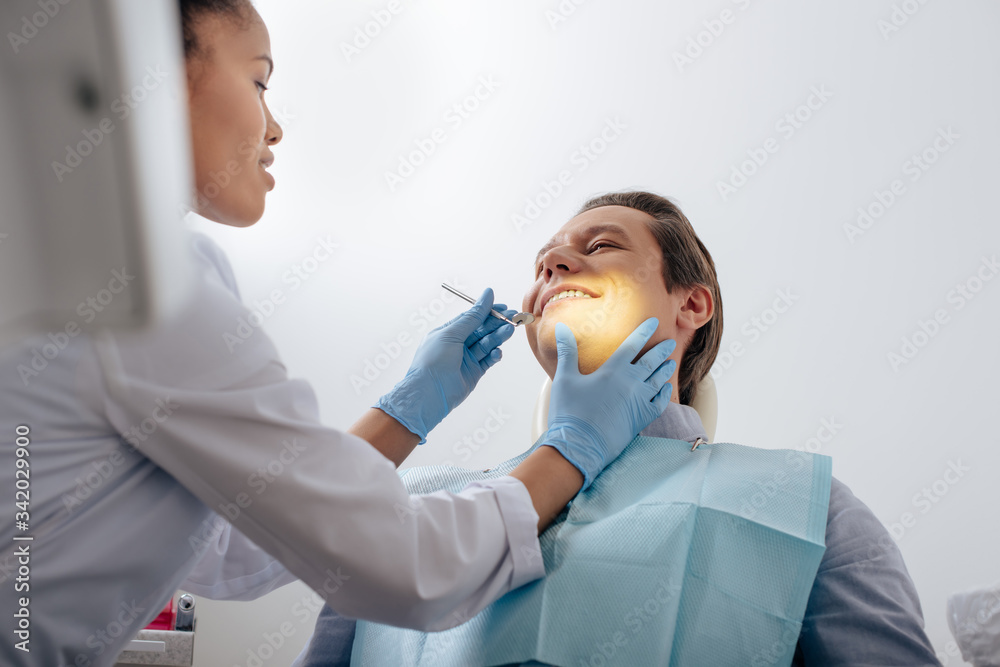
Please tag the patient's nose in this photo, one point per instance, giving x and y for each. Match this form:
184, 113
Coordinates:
558, 259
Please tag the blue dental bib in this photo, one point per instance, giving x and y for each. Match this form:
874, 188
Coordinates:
671, 557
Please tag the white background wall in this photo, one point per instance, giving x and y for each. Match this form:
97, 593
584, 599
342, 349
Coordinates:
348, 121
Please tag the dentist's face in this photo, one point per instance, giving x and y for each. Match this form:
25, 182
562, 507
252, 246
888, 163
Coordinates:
232, 129
609, 254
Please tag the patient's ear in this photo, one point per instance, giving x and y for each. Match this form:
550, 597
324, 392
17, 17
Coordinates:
696, 308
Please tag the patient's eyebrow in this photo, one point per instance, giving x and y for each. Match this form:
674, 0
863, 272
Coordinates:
590, 232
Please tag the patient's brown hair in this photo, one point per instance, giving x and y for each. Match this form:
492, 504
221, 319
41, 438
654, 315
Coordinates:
686, 263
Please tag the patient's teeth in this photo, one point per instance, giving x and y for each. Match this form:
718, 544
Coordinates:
565, 294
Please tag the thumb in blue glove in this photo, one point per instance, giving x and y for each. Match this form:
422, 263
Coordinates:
447, 366
593, 417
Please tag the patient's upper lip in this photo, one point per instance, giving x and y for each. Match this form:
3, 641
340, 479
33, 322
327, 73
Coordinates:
268, 161
562, 287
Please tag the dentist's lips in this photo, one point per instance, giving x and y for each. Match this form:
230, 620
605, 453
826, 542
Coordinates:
263, 167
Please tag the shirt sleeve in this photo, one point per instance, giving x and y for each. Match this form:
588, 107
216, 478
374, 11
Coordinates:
205, 396
331, 643
863, 609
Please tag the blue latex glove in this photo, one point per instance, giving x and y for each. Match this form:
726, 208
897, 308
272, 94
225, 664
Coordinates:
593, 417
447, 366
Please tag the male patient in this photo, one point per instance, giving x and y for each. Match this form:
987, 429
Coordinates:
628, 256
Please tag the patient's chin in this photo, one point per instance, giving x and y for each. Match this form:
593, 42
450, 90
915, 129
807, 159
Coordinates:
591, 354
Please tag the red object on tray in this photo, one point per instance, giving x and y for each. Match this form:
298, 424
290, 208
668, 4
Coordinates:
165, 621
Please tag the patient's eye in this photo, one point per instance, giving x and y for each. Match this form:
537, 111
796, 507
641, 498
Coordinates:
602, 243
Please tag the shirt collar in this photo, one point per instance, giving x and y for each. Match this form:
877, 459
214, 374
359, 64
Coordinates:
677, 422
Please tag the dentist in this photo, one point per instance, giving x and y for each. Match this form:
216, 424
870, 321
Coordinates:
171, 458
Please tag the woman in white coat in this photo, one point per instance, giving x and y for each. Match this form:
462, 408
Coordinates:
165, 459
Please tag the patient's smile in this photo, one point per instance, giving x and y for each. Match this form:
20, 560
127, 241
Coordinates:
564, 295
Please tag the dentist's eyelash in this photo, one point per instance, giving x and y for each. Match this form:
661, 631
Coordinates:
263, 87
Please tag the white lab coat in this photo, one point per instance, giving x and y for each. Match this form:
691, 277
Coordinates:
217, 434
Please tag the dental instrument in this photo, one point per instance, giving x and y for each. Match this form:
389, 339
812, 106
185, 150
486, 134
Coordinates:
520, 318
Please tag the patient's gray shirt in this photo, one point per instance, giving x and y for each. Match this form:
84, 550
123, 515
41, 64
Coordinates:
863, 609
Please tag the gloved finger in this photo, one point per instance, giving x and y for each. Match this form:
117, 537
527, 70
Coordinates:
662, 398
463, 316
474, 317
656, 355
491, 360
482, 348
662, 374
566, 352
632, 345
489, 326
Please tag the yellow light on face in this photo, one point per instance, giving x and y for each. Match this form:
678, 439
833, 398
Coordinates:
599, 325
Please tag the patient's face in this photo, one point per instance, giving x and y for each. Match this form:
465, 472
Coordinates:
609, 254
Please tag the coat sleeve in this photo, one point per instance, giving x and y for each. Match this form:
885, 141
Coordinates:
205, 396
234, 568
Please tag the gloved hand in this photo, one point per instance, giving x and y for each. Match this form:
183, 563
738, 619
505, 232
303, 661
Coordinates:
447, 366
593, 417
